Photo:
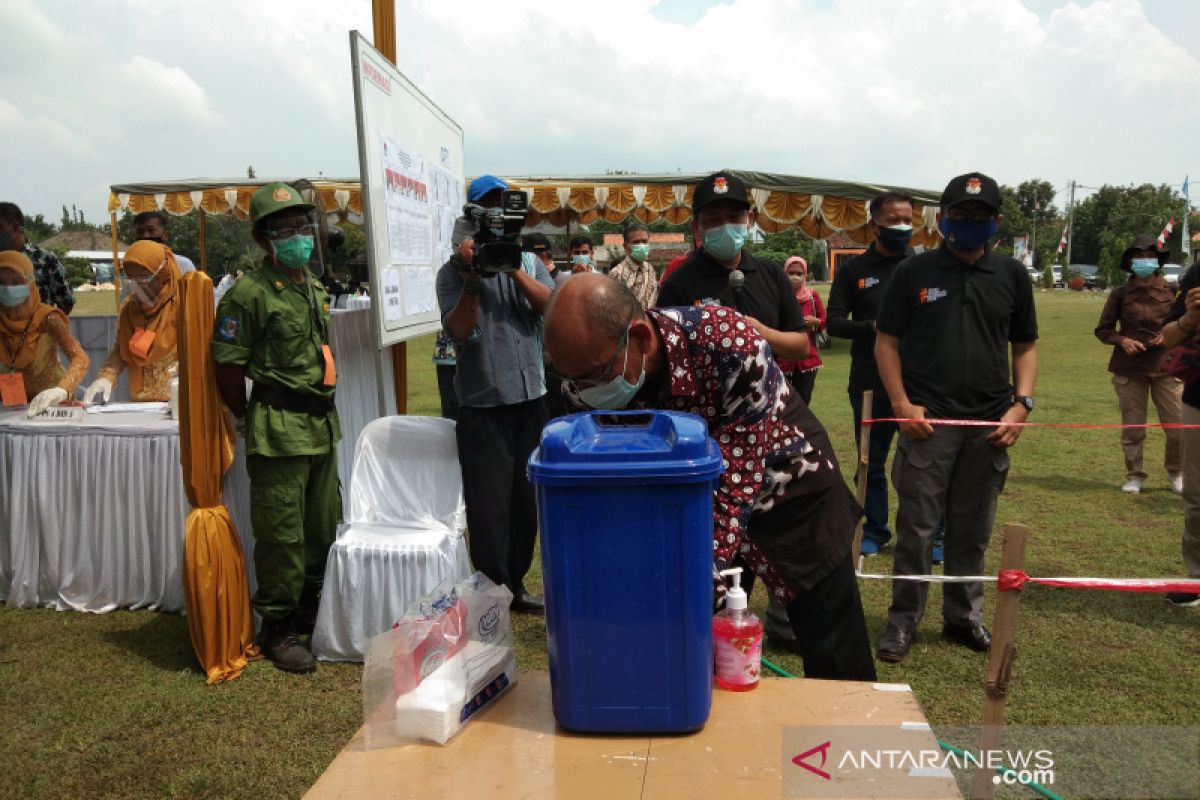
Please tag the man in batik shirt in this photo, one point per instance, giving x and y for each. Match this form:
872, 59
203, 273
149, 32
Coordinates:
781, 503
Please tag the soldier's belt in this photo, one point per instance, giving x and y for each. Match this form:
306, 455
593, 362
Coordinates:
287, 400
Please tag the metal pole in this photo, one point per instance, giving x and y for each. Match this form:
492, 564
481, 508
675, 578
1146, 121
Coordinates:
1070, 222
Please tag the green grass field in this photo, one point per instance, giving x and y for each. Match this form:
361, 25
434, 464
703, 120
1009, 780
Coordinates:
113, 705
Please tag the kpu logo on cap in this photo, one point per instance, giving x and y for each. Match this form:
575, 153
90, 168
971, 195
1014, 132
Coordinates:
281, 194
974, 186
720, 185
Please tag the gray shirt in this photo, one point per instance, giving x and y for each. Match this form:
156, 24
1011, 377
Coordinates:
500, 363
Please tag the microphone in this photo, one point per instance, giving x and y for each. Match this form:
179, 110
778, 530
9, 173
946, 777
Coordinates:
737, 279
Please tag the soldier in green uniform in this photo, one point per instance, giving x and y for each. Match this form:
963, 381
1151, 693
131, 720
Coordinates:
272, 326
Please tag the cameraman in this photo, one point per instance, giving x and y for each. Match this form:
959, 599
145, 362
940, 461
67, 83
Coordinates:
495, 320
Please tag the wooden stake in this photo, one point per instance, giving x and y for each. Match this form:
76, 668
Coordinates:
116, 261
383, 18
203, 240
1000, 659
864, 460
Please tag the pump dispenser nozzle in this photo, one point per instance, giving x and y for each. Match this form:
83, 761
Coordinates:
735, 598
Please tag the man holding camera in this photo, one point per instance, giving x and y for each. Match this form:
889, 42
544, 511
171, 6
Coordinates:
495, 320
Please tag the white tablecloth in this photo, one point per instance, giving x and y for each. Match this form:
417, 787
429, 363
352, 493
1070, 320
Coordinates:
92, 519
352, 343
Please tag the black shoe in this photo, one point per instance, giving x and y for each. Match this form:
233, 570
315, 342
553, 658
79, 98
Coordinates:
895, 644
784, 644
281, 645
1183, 599
526, 603
306, 615
975, 637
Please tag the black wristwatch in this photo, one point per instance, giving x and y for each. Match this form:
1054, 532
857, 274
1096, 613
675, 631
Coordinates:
1025, 400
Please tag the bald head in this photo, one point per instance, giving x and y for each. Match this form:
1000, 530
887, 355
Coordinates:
586, 324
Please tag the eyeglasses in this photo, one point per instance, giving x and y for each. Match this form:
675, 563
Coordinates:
308, 229
143, 281
596, 378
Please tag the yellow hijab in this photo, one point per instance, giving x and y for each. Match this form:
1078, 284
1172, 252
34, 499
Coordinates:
21, 326
160, 319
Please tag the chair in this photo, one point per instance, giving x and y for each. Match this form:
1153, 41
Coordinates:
403, 535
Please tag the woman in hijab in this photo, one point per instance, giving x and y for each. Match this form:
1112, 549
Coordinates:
31, 336
146, 328
1132, 322
803, 372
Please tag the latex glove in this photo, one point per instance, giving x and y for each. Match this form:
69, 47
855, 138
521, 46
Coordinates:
45, 399
100, 386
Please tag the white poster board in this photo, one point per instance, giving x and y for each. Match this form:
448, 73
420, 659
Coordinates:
410, 157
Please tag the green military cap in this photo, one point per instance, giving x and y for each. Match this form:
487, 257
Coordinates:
275, 197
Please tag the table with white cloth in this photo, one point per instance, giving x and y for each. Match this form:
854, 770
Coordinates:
92, 519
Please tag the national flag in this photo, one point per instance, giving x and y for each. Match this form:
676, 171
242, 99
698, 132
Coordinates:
1187, 212
1062, 243
1162, 237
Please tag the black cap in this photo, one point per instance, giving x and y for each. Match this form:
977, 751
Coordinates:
535, 243
1143, 242
719, 186
972, 186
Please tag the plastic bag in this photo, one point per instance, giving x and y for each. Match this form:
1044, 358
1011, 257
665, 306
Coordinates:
450, 656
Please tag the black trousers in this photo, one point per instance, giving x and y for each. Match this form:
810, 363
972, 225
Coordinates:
830, 628
494, 445
445, 378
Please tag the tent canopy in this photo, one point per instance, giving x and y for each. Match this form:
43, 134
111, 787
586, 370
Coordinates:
817, 206
222, 196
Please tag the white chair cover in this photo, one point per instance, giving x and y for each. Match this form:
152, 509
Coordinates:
403, 535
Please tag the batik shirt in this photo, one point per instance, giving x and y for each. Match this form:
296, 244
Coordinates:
51, 278
722, 370
641, 279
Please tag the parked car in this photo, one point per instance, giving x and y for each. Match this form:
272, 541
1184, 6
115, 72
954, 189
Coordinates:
1171, 274
1057, 271
1086, 271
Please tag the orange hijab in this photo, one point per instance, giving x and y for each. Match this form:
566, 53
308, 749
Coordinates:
21, 326
159, 319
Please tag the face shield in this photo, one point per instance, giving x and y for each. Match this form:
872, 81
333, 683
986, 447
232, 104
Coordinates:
144, 287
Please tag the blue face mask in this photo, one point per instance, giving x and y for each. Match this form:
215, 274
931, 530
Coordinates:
1144, 267
13, 296
581, 259
617, 393
895, 237
967, 234
724, 242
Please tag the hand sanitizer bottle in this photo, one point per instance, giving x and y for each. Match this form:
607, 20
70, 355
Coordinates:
737, 640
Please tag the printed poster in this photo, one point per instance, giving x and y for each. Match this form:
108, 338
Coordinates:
406, 198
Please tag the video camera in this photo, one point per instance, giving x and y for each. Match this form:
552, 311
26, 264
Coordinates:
496, 231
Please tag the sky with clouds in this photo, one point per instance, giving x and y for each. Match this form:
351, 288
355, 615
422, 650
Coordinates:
907, 92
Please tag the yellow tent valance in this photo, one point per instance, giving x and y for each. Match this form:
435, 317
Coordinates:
219, 198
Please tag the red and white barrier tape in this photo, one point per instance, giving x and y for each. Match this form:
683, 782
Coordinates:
1015, 580
991, 423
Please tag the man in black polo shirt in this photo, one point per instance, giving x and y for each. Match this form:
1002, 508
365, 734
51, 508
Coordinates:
851, 312
721, 274
948, 319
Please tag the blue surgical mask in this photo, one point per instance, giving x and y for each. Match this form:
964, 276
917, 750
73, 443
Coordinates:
1144, 267
13, 296
895, 237
724, 242
967, 234
617, 393
294, 251
581, 259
